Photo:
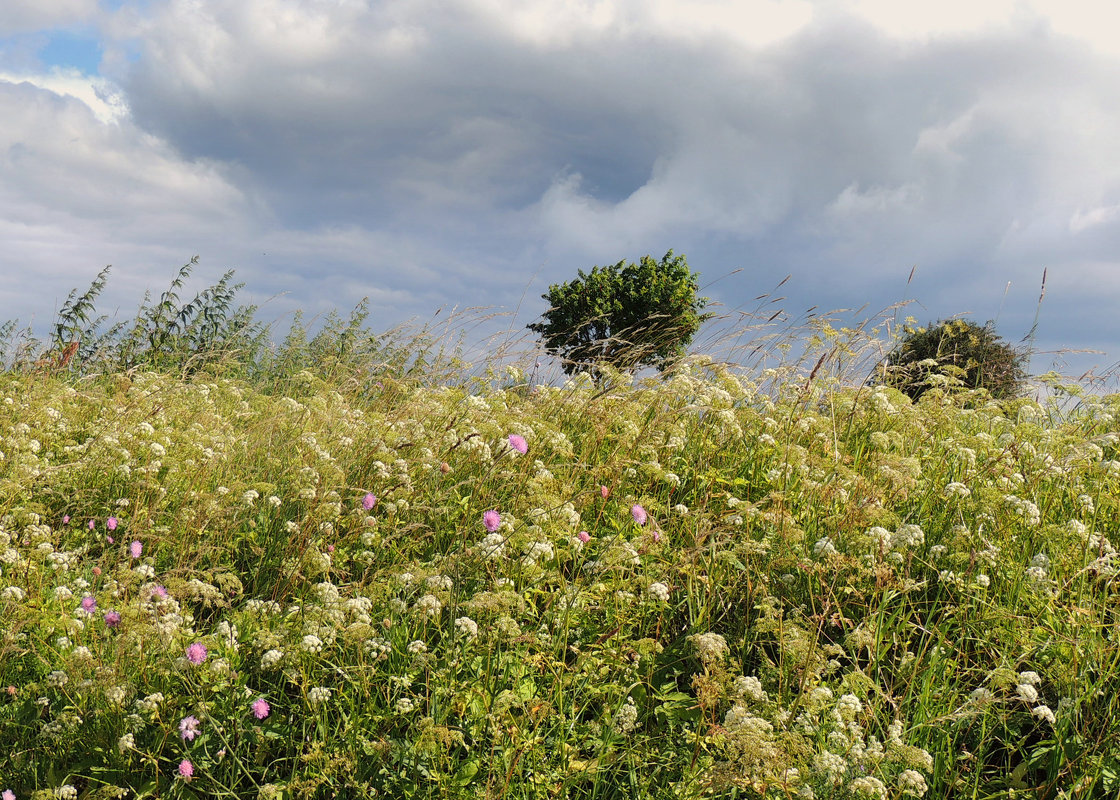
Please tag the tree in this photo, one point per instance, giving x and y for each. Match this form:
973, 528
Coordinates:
973, 353
626, 315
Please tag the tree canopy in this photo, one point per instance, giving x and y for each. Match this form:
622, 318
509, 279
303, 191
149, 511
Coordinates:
626, 315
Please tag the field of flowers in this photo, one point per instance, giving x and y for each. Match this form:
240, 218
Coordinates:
691, 587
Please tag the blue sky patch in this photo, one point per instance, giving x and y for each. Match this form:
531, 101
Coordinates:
69, 49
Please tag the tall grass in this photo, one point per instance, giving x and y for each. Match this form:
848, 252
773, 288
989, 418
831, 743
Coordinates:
278, 577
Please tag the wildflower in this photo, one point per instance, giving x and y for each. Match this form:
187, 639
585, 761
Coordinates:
65, 521
416, 647
196, 653
261, 708
89, 605
639, 514
112, 618
312, 643
1027, 693
124, 744
429, 604
911, 782
319, 694
404, 705
111, 523
8, 795
627, 717
868, 787
135, 549
848, 706
1044, 712
189, 728
604, 492
186, 769
491, 520
91, 524
467, 626
658, 592
584, 536
369, 501
271, 658
518, 443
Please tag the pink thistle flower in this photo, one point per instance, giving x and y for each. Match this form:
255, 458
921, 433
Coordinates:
92, 524
111, 523
109, 539
186, 769
196, 653
97, 570
369, 501
159, 591
135, 549
491, 520
112, 618
584, 536
189, 728
518, 443
330, 548
65, 519
604, 492
261, 708
8, 795
639, 514
89, 605
656, 535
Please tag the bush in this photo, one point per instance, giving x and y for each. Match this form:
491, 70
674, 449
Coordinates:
959, 350
626, 316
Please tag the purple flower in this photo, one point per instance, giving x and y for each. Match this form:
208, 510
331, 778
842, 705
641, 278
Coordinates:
186, 769
196, 653
261, 708
89, 605
159, 591
112, 618
111, 523
369, 501
8, 795
639, 514
189, 728
604, 492
584, 536
491, 519
135, 549
65, 521
91, 524
518, 443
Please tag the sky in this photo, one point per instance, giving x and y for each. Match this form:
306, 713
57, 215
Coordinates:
435, 155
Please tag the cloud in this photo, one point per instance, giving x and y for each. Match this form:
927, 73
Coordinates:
429, 153
22, 16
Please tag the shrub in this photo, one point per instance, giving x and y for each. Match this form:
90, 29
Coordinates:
626, 316
957, 349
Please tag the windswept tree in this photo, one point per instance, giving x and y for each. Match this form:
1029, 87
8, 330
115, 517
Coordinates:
626, 315
956, 348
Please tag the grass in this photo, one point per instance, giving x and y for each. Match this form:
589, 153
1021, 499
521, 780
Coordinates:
725, 583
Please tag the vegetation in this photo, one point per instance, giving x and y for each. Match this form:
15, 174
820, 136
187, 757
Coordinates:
402, 577
955, 352
625, 316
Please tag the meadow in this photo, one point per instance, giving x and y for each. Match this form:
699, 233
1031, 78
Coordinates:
412, 579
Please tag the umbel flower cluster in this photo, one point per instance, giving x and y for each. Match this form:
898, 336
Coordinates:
701, 585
